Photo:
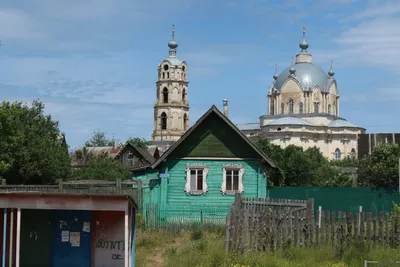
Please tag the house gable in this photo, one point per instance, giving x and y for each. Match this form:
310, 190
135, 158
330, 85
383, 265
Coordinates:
135, 157
213, 138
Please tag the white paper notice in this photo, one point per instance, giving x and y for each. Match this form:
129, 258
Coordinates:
75, 239
64, 236
86, 227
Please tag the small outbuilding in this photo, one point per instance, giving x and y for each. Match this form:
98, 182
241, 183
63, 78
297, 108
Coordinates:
66, 229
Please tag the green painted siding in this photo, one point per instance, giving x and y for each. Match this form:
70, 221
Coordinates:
214, 138
150, 187
177, 180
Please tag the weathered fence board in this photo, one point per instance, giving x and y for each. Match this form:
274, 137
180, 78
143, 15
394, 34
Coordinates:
255, 225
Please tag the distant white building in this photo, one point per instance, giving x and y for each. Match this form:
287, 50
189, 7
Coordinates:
303, 110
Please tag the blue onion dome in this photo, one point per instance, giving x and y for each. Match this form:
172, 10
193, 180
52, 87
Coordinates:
331, 72
304, 45
172, 44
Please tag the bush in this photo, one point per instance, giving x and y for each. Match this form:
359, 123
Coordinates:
196, 234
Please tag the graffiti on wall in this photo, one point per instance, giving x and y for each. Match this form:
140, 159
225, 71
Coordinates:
112, 245
109, 229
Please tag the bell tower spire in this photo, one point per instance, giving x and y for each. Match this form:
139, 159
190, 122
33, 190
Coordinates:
172, 44
171, 110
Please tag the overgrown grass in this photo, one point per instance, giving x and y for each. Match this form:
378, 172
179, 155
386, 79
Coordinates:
205, 248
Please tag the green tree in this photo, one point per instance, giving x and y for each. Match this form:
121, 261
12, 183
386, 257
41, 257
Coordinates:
102, 168
33, 149
98, 166
99, 139
346, 162
381, 167
140, 142
301, 167
276, 176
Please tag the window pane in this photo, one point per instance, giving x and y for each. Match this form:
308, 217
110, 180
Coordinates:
235, 183
235, 180
199, 180
193, 180
228, 180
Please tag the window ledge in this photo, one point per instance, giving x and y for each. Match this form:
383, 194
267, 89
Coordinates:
231, 192
196, 193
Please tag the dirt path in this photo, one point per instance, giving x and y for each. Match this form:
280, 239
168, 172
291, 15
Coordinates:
157, 256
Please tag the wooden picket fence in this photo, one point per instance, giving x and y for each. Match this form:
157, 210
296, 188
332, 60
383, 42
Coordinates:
267, 228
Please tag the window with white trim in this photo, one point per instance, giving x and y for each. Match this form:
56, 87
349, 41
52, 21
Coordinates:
232, 181
196, 179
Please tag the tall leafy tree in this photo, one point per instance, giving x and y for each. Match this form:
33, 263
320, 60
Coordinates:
381, 167
99, 139
101, 167
300, 167
140, 142
33, 149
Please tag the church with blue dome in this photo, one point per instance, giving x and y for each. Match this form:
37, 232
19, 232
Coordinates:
304, 110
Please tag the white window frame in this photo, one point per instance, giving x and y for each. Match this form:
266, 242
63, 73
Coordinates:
230, 167
196, 166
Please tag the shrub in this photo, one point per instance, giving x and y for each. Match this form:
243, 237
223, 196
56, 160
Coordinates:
196, 234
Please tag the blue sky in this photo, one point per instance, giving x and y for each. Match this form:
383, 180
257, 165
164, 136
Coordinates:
94, 62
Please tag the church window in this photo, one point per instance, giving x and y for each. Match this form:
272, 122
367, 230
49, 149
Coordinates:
165, 67
291, 106
338, 154
181, 76
329, 109
196, 179
185, 122
167, 75
353, 154
316, 107
165, 95
183, 94
183, 68
282, 108
163, 75
301, 107
232, 180
163, 121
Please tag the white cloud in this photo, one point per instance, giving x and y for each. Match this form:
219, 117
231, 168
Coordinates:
18, 24
377, 9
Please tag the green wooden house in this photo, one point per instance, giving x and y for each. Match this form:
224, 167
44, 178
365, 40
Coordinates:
196, 178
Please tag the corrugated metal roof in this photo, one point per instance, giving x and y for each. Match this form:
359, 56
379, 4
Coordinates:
341, 123
289, 121
249, 126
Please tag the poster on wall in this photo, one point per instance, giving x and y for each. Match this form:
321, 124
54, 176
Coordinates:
64, 236
86, 227
75, 239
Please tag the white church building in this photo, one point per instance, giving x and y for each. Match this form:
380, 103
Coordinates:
303, 107
304, 110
